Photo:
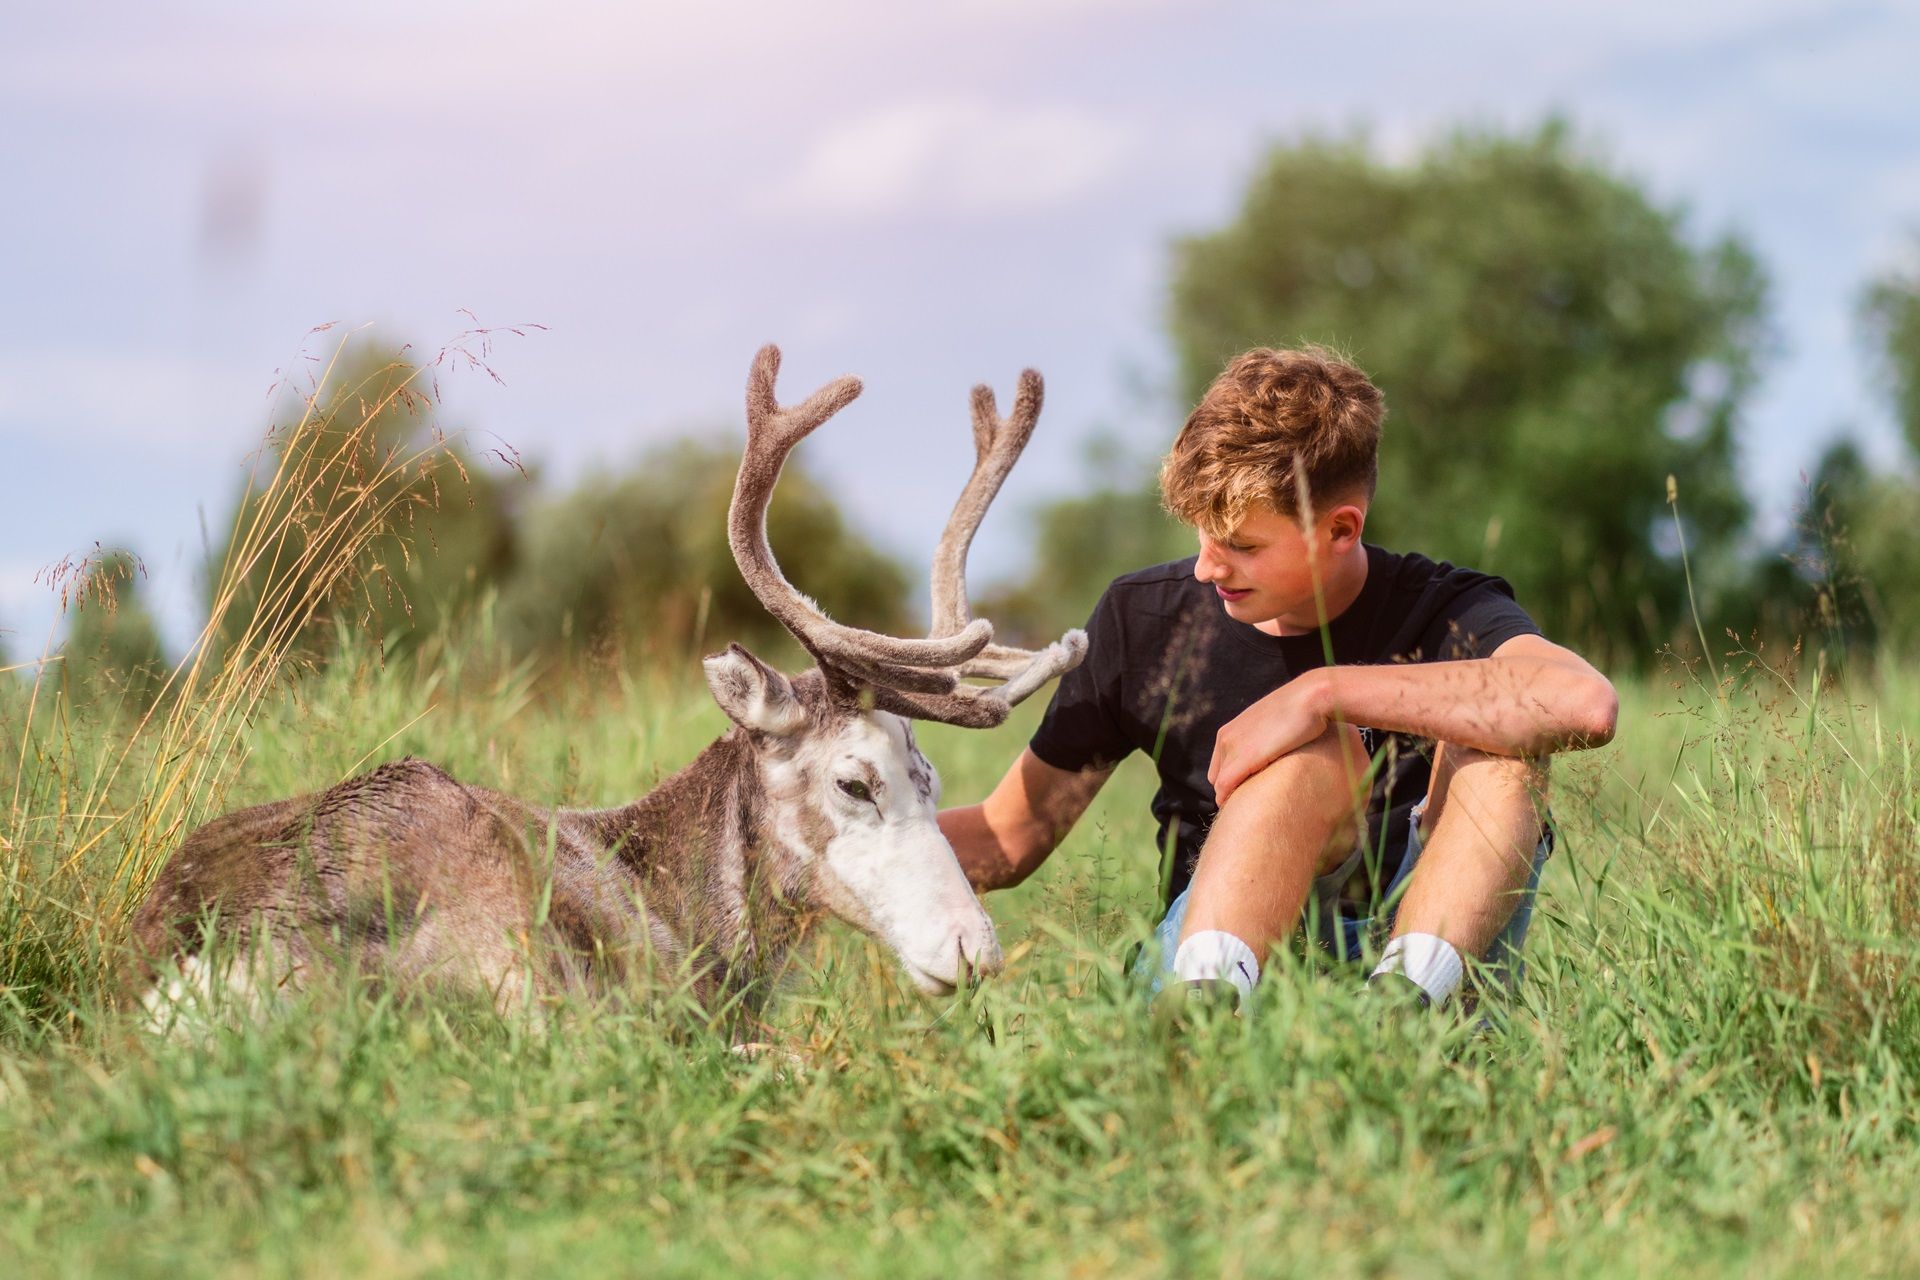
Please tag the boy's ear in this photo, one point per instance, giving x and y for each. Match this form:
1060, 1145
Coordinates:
1346, 522
753, 694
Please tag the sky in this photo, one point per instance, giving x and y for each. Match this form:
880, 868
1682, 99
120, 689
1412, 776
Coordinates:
927, 195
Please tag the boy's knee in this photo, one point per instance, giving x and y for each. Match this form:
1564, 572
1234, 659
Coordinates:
1492, 783
1528, 773
1341, 747
1333, 768
1322, 784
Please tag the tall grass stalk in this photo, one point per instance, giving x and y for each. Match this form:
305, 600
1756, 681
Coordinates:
322, 491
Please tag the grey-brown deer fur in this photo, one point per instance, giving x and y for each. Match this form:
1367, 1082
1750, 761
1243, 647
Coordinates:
816, 802
420, 878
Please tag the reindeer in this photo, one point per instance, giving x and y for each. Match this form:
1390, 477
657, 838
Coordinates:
816, 801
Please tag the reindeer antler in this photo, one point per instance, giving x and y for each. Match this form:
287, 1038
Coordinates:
916, 678
772, 431
997, 445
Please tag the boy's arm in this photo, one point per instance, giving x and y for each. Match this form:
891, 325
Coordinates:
1004, 839
1529, 698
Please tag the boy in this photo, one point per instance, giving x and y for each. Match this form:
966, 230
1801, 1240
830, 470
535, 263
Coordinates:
1331, 722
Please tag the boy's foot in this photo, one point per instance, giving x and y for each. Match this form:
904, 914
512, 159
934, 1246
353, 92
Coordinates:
1183, 1002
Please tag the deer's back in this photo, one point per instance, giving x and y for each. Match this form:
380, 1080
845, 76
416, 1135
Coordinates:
404, 869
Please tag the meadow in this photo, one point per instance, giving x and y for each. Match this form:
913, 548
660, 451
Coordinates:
1711, 1064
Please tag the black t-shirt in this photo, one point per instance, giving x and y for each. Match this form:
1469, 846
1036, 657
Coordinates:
1166, 669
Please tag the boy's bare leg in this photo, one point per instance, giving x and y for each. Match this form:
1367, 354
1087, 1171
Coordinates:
1483, 821
1294, 820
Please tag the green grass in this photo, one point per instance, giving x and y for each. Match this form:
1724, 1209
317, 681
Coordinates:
1711, 1065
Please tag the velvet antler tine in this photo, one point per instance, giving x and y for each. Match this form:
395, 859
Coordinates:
997, 445
1003, 662
973, 706
962, 708
1058, 658
772, 432
760, 379
894, 676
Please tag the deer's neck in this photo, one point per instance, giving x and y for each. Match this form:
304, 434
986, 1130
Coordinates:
704, 846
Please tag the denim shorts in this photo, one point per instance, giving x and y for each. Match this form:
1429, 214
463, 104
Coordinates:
1343, 933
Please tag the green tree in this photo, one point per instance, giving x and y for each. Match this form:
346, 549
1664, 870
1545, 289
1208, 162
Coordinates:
360, 511
1809, 589
1854, 557
1886, 561
1551, 345
1858, 539
640, 561
112, 651
1890, 312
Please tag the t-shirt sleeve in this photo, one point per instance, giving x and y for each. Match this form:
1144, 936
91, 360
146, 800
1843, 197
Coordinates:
1478, 621
1084, 727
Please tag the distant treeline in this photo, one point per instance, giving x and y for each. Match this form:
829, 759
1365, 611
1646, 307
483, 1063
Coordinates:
359, 515
1566, 370
1566, 374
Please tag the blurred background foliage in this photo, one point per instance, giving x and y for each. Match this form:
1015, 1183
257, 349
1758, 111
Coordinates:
1891, 311
112, 653
1552, 341
638, 563
368, 437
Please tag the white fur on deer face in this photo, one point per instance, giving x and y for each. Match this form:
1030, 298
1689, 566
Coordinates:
853, 797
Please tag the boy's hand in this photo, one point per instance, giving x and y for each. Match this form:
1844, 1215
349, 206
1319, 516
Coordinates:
1285, 720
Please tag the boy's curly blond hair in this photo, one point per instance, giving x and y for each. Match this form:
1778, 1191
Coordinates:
1270, 421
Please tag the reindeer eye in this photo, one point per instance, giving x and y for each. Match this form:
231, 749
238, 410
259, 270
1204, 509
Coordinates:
858, 790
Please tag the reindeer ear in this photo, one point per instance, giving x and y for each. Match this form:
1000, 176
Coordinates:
753, 694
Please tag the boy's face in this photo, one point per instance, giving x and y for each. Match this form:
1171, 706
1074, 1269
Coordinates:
1263, 570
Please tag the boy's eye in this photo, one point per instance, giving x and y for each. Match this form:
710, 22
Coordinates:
858, 790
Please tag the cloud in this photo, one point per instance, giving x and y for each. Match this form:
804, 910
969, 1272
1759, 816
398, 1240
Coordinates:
958, 157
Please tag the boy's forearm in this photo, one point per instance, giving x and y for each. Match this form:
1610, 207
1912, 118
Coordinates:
1510, 706
1004, 839
982, 856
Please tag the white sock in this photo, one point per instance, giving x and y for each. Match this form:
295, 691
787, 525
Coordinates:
1213, 953
1429, 961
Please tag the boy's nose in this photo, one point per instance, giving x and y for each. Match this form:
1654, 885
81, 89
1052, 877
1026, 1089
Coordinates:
1207, 567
